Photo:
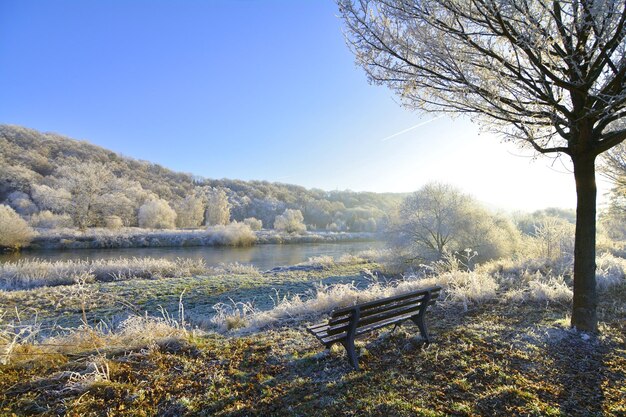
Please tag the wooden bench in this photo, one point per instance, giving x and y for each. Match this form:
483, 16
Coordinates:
345, 324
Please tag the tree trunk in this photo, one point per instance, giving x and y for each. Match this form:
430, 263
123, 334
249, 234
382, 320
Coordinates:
585, 297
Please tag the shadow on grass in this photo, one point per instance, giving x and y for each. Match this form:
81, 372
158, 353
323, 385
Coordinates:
579, 370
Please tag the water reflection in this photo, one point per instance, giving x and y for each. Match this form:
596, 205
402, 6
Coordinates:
262, 256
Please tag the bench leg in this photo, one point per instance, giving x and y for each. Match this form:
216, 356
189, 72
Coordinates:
419, 320
351, 350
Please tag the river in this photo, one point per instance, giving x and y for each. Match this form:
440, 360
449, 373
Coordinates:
264, 257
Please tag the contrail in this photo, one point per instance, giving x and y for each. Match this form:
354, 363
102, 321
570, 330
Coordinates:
411, 128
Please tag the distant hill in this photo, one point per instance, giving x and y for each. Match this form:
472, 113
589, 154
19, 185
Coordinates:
38, 171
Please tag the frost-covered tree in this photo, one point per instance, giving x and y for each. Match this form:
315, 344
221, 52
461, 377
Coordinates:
14, 231
54, 199
48, 220
86, 183
122, 199
549, 75
438, 220
290, 221
253, 223
190, 211
157, 214
218, 207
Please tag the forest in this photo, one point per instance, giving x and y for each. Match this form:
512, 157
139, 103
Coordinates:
57, 182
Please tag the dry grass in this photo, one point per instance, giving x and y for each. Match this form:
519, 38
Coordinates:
497, 361
505, 282
33, 273
489, 358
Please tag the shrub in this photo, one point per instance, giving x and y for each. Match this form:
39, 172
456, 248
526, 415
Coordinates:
49, 220
113, 222
610, 272
14, 231
254, 223
290, 221
21, 203
234, 234
157, 214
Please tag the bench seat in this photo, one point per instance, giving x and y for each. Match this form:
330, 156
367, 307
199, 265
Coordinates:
345, 324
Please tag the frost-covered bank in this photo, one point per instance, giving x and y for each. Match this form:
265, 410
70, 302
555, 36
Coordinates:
100, 238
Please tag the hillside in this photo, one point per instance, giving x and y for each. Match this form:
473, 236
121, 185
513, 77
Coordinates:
38, 169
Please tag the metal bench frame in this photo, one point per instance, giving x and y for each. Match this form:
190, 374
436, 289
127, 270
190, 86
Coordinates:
345, 324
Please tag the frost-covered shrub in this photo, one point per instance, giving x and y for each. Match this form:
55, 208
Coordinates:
113, 222
290, 221
464, 287
540, 289
333, 227
49, 220
254, 223
157, 214
322, 261
49, 198
610, 271
14, 231
234, 234
21, 203
553, 238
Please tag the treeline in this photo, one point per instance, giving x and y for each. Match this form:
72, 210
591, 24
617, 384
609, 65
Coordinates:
54, 181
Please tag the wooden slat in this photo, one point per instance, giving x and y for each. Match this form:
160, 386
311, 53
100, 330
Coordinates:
374, 314
410, 310
322, 330
381, 301
343, 317
413, 308
316, 326
366, 329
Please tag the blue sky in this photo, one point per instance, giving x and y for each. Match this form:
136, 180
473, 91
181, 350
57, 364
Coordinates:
243, 89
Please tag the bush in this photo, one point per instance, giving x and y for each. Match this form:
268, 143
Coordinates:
254, 223
49, 220
21, 203
290, 221
157, 214
234, 234
14, 231
113, 222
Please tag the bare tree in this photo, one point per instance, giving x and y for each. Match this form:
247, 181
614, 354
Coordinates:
547, 74
439, 219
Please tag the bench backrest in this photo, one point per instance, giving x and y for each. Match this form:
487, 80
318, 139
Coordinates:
383, 311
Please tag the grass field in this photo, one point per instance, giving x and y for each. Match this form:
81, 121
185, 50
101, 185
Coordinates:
489, 357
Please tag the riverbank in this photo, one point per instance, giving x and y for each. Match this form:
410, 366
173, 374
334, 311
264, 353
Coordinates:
236, 345
132, 237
